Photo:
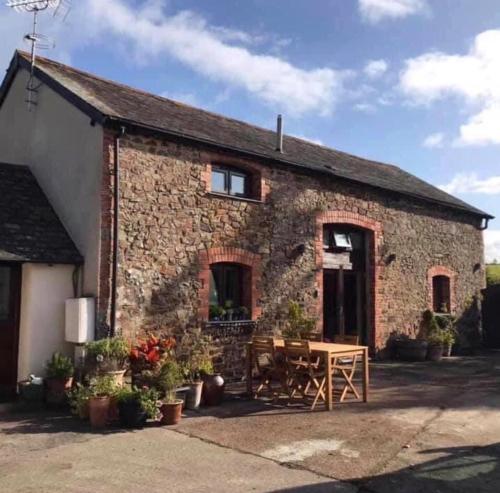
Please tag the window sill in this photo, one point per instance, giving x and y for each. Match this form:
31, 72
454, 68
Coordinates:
230, 328
234, 197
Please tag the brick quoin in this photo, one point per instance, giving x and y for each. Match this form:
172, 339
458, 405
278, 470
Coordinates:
236, 256
440, 270
374, 269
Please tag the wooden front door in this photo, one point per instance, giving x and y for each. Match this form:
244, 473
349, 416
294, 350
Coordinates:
10, 296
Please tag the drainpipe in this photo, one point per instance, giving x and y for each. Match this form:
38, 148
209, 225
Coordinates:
116, 229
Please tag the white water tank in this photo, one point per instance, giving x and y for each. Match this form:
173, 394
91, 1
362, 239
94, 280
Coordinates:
80, 320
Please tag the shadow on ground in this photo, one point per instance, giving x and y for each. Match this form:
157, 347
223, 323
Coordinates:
456, 469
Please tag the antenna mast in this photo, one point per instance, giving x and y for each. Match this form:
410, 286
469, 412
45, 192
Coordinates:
33, 7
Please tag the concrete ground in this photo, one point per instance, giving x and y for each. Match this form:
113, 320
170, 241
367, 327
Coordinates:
429, 427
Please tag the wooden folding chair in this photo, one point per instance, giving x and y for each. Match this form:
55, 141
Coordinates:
268, 368
303, 372
346, 365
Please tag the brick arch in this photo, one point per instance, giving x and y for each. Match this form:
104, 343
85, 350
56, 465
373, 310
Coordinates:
441, 270
236, 256
374, 269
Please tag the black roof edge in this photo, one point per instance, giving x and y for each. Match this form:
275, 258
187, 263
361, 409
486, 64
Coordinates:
105, 120
118, 121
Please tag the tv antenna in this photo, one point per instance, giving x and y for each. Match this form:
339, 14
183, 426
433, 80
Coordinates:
37, 40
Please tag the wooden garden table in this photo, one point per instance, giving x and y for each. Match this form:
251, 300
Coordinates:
328, 351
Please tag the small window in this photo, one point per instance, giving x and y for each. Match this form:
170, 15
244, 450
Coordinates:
231, 182
227, 295
441, 294
336, 240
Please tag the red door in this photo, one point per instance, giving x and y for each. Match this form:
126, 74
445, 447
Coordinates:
10, 295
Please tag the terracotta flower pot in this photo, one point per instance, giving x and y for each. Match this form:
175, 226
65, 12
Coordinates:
213, 389
171, 412
99, 411
193, 395
56, 390
435, 352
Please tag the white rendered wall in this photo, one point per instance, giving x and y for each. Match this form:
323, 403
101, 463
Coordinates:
44, 291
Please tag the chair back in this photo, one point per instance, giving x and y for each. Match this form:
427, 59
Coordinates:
346, 339
263, 350
297, 351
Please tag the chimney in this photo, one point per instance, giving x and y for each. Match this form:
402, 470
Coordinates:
279, 134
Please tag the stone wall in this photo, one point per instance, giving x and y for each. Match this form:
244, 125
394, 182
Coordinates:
168, 219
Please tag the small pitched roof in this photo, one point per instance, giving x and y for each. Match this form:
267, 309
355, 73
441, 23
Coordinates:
30, 230
107, 101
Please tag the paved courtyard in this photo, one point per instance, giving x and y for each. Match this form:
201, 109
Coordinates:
431, 427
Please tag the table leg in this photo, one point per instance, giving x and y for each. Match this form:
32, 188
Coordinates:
329, 381
366, 375
249, 369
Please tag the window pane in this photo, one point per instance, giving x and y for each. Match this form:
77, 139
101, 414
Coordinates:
219, 181
4, 292
342, 240
233, 286
237, 184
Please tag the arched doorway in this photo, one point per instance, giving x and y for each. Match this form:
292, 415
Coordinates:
348, 275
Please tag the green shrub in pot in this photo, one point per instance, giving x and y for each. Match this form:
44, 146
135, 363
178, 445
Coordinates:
59, 372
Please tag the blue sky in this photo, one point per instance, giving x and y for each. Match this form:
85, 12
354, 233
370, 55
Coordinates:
410, 82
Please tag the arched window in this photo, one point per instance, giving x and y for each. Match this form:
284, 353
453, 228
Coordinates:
441, 294
229, 292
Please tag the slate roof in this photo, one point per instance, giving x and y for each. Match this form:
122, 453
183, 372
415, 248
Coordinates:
30, 230
107, 101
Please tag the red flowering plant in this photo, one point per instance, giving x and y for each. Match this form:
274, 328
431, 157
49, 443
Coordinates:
147, 355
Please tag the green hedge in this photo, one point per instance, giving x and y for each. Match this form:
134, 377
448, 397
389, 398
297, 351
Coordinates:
493, 274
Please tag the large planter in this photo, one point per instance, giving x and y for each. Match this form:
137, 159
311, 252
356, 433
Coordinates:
99, 411
435, 352
116, 375
57, 390
132, 415
193, 395
412, 349
171, 412
113, 412
213, 389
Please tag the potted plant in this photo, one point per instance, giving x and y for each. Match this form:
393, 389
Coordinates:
59, 378
216, 313
449, 339
136, 406
147, 356
447, 324
435, 348
411, 349
297, 324
170, 377
79, 399
108, 356
194, 356
102, 388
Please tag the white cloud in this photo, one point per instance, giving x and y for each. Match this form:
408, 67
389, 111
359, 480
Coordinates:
473, 77
470, 183
188, 38
492, 244
375, 68
374, 11
433, 141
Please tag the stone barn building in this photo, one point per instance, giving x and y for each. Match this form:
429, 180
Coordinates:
189, 219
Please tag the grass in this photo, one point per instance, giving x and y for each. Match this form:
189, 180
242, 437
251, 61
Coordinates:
493, 274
